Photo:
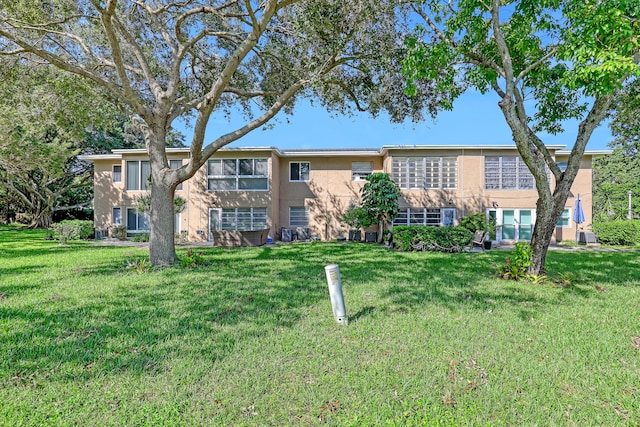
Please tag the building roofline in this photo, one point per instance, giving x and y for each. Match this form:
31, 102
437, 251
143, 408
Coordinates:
326, 152
587, 152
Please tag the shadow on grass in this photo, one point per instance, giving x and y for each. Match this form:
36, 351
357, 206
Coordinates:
142, 323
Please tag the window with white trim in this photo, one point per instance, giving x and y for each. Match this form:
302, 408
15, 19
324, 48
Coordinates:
423, 173
361, 170
137, 221
507, 173
237, 174
176, 164
299, 216
299, 171
138, 175
425, 216
116, 216
564, 220
243, 219
116, 173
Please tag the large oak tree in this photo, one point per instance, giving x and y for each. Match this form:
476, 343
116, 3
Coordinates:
193, 59
545, 62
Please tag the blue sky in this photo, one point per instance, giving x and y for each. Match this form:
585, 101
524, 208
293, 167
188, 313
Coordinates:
475, 120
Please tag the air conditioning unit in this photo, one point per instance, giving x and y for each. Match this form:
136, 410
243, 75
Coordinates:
286, 234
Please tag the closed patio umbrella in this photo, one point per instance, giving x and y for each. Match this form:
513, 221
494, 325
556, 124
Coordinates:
578, 214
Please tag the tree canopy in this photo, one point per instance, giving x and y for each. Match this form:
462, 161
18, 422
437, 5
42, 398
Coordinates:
168, 60
545, 61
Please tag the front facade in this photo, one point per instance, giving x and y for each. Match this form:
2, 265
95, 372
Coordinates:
308, 190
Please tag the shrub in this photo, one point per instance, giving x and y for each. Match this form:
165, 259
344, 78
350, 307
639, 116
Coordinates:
120, 232
618, 232
515, 268
140, 237
430, 238
73, 229
191, 260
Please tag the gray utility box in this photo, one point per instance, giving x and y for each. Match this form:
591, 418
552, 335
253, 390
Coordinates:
587, 237
371, 236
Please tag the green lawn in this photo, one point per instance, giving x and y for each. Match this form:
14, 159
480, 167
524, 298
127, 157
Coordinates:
248, 338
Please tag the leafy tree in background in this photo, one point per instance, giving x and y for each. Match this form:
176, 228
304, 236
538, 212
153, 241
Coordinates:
379, 202
618, 173
545, 61
47, 119
191, 60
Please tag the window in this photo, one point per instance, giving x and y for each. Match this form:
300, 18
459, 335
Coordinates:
241, 219
425, 172
136, 222
237, 174
116, 216
116, 173
138, 175
507, 173
299, 216
361, 170
176, 164
425, 216
299, 171
564, 219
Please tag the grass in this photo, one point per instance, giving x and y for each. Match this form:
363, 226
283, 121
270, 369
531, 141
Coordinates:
248, 338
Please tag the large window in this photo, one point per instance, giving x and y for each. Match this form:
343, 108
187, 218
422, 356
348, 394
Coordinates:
299, 216
425, 216
237, 174
241, 219
425, 172
507, 173
136, 221
361, 170
299, 171
138, 175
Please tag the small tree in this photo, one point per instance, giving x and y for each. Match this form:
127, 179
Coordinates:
379, 201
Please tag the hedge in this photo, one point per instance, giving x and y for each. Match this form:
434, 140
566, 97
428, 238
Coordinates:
430, 238
72, 229
618, 232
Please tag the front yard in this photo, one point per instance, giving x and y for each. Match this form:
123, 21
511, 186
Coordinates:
88, 337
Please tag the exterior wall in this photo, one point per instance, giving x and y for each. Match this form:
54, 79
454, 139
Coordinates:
330, 188
326, 194
201, 200
107, 193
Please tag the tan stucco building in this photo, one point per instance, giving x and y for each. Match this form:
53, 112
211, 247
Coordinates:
309, 190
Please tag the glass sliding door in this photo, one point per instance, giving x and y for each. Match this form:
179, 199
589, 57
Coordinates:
508, 224
525, 228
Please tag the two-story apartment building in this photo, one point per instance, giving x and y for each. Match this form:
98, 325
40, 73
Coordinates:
265, 187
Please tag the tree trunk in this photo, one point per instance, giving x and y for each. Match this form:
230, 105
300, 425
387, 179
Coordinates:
162, 251
42, 218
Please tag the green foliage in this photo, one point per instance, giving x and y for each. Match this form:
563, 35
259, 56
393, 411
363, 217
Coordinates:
618, 232
618, 173
120, 232
74, 229
191, 259
139, 266
479, 221
429, 238
95, 344
515, 267
379, 199
140, 237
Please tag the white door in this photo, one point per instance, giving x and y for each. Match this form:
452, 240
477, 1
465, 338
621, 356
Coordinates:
215, 221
